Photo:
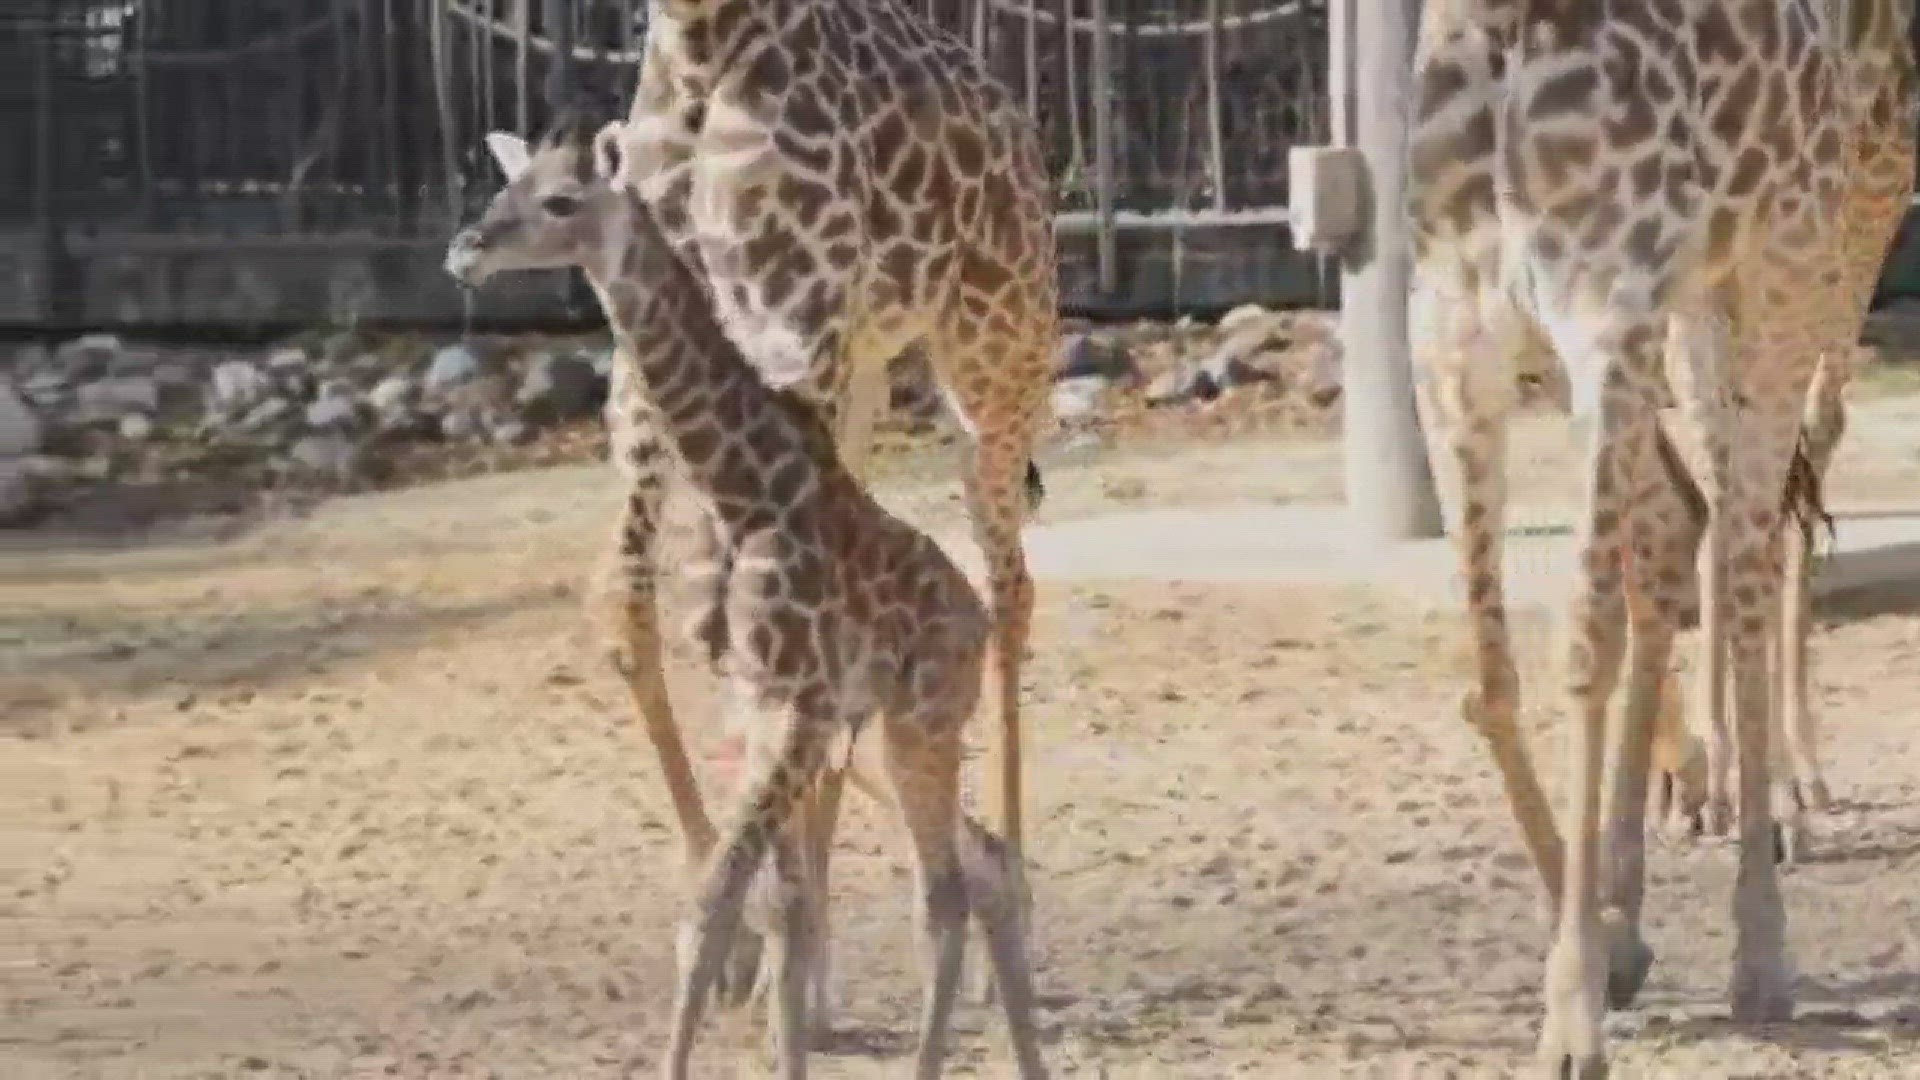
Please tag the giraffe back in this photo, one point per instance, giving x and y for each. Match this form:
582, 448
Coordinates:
894, 156
1583, 157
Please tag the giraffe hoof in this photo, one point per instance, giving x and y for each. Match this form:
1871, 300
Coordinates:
1762, 994
1815, 796
1627, 969
1577, 1067
1789, 843
1716, 817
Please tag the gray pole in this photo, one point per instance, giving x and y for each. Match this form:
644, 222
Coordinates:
1390, 487
559, 20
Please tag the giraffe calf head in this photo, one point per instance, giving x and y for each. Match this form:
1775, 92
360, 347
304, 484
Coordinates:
559, 195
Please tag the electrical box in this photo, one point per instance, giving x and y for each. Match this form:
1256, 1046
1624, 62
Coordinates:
1325, 185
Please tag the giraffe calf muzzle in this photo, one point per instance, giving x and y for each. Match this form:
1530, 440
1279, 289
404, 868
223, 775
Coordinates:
466, 257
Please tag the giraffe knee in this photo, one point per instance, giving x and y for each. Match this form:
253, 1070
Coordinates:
776, 904
946, 902
986, 873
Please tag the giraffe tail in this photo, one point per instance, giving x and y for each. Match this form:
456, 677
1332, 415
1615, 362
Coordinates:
1036, 488
1804, 502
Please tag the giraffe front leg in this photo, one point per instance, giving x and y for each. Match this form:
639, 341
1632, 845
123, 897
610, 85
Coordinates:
1572, 1042
1659, 545
1762, 987
1464, 397
791, 938
635, 647
923, 766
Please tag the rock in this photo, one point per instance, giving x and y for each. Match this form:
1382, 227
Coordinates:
46, 387
1191, 382
237, 386
453, 365
1084, 355
1171, 387
19, 494
1321, 380
291, 358
112, 398
332, 456
459, 424
510, 433
1226, 370
603, 362
332, 412
1078, 398
1243, 316
29, 358
20, 429
341, 347
264, 415
390, 394
88, 356
560, 387
136, 427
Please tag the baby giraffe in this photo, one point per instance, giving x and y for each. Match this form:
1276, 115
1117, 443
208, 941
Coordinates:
836, 610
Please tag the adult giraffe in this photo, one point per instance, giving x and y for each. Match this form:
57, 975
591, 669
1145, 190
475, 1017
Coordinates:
1651, 190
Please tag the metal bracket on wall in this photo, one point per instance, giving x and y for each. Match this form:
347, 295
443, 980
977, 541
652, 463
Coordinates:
1325, 185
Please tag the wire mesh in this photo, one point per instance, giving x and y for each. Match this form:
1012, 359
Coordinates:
365, 115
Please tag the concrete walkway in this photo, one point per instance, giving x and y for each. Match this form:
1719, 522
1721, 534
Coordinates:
1317, 545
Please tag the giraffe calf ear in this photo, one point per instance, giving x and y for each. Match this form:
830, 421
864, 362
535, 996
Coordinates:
510, 151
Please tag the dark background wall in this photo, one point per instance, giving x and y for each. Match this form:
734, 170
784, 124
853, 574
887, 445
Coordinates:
222, 165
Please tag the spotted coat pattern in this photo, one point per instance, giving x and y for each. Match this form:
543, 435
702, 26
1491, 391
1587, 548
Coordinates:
1650, 192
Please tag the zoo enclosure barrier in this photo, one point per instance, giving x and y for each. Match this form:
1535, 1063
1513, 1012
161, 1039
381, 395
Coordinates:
205, 163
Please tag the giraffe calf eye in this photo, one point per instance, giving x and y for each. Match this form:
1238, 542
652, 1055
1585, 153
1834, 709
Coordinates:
560, 205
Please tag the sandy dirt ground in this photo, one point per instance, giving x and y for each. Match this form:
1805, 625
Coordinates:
354, 794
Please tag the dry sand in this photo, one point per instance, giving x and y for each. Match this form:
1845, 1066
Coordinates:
355, 795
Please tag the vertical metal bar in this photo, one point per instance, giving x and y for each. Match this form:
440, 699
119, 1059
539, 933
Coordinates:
523, 89
443, 98
45, 151
1216, 140
559, 20
1103, 148
1340, 64
1070, 61
390, 100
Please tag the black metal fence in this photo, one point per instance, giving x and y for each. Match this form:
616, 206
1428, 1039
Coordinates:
182, 161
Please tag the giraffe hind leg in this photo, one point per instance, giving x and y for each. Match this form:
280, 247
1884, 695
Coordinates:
1804, 509
1464, 403
996, 386
763, 813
